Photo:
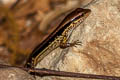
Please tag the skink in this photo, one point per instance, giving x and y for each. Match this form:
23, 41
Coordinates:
59, 37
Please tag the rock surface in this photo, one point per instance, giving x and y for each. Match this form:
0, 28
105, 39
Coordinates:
100, 50
14, 74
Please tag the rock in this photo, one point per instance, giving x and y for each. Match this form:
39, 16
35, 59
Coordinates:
14, 74
100, 50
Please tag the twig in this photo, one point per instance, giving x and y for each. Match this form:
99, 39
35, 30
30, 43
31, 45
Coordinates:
48, 72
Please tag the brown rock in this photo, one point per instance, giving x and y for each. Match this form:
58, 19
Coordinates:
100, 50
14, 74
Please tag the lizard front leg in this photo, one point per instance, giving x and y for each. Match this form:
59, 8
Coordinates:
64, 43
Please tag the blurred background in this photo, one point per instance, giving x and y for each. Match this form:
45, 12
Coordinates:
26, 23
